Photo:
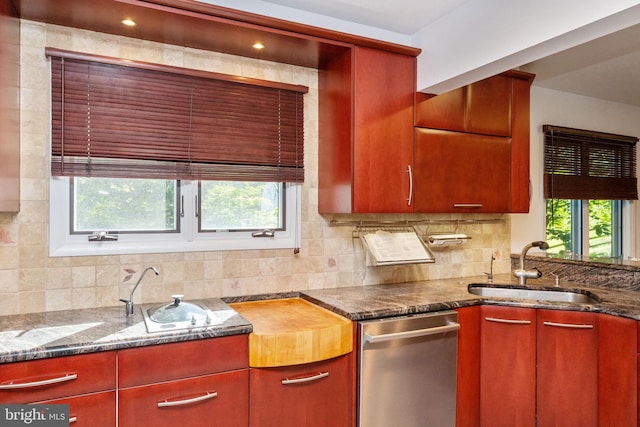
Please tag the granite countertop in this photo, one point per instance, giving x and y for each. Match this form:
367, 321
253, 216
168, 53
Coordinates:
377, 301
42, 335
63, 333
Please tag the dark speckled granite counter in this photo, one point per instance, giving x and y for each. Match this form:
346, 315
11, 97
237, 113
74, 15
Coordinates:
62, 333
35, 336
370, 302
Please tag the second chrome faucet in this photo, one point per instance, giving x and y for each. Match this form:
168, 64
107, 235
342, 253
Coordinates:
534, 273
129, 303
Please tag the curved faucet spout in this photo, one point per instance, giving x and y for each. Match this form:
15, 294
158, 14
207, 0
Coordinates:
523, 274
129, 302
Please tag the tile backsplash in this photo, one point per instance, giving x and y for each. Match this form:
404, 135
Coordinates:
31, 281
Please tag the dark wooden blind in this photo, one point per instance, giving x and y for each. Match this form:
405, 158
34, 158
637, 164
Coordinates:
127, 120
586, 165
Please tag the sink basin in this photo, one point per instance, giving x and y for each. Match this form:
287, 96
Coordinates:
180, 315
519, 292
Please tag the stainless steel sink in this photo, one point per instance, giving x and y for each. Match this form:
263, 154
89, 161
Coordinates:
547, 294
180, 315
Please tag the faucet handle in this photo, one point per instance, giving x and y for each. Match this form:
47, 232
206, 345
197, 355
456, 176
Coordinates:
177, 299
539, 272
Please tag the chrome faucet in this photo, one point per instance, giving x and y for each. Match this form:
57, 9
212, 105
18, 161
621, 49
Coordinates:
534, 273
129, 303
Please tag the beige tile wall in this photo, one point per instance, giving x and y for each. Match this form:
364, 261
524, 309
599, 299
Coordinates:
31, 281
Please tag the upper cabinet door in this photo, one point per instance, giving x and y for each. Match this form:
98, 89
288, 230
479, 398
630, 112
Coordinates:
488, 106
383, 130
483, 107
446, 111
462, 172
365, 146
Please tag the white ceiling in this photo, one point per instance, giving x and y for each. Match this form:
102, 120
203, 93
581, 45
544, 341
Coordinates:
607, 68
399, 16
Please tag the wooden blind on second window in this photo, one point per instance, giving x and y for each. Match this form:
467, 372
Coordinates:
586, 165
118, 120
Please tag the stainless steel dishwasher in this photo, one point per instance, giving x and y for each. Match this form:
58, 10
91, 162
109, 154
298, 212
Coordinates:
407, 374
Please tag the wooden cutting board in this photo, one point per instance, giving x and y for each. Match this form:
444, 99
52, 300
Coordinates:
292, 331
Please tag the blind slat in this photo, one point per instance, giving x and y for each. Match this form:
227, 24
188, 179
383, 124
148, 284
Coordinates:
586, 165
121, 121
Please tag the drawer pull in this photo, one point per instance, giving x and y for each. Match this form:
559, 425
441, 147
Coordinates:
467, 205
168, 404
510, 321
12, 386
73, 419
315, 377
567, 325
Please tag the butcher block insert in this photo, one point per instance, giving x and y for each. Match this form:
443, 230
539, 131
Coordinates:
292, 331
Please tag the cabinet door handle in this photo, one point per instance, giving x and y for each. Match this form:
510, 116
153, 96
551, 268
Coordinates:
567, 325
510, 321
170, 403
410, 185
308, 379
12, 386
73, 419
467, 205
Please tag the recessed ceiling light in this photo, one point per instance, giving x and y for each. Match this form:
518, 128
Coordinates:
129, 22
258, 45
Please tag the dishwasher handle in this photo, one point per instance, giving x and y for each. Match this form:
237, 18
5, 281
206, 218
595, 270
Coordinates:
451, 326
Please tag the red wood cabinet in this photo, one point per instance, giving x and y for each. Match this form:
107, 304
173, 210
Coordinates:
366, 132
146, 365
90, 410
205, 382
567, 368
219, 400
461, 172
58, 377
312, 395
483, 107
482, 163
508, 373
617, 377
468, 372
87, 383
548, 368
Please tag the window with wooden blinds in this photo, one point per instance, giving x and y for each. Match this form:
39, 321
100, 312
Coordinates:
124, 119
586, 165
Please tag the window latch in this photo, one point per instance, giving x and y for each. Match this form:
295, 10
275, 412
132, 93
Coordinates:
101, 236
264, 233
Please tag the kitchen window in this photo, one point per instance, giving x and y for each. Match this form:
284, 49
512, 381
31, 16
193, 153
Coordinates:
148, 158
589, 179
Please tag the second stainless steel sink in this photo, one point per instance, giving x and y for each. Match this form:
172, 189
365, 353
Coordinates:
518, 292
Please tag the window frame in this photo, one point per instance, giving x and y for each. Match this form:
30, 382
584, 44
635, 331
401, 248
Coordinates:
63, 243
580, 232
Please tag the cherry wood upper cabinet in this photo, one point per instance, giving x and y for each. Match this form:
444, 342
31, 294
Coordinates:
366, 113
9, 108
461, 172
483, 107
472, 147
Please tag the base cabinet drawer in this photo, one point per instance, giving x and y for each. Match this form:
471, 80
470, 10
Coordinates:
45, 379
310, 395
90, 410
219, 400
